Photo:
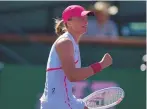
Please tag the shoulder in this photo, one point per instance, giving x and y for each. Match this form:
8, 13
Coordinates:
64, 43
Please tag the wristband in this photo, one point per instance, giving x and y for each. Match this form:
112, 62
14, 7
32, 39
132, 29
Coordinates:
96, 67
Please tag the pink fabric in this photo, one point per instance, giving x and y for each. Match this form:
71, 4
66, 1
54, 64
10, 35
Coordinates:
65, 86
58, 68
96, 67
73, 11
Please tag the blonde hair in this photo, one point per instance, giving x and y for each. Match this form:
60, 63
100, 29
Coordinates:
60, 27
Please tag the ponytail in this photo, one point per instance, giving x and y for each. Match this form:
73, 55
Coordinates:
60, 27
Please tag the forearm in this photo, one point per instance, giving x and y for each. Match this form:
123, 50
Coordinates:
83, 73
80, 74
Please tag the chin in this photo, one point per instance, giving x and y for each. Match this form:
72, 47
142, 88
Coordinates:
84, 30
83, 33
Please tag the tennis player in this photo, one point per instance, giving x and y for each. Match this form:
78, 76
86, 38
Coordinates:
64, 63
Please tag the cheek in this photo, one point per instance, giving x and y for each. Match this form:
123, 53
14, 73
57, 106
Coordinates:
77, 26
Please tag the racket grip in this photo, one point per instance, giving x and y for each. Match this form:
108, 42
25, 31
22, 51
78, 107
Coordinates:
96, 67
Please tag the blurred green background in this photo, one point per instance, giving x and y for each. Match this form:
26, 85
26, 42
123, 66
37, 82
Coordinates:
23, 61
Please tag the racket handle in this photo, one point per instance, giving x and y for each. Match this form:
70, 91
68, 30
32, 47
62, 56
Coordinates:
96, 67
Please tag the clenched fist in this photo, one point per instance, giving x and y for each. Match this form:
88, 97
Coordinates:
106, 61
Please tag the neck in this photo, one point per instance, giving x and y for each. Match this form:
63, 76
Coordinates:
76, 36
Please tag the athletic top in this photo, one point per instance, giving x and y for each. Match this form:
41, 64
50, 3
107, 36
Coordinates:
57, 86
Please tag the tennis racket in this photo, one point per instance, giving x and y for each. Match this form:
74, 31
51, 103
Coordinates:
104, 98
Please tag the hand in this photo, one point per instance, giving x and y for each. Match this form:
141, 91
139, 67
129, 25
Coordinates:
106, 61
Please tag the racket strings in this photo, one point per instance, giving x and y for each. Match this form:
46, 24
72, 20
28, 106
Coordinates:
112, 96
104, 98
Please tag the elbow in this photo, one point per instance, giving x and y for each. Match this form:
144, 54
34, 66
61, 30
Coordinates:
71, 77
73, 80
